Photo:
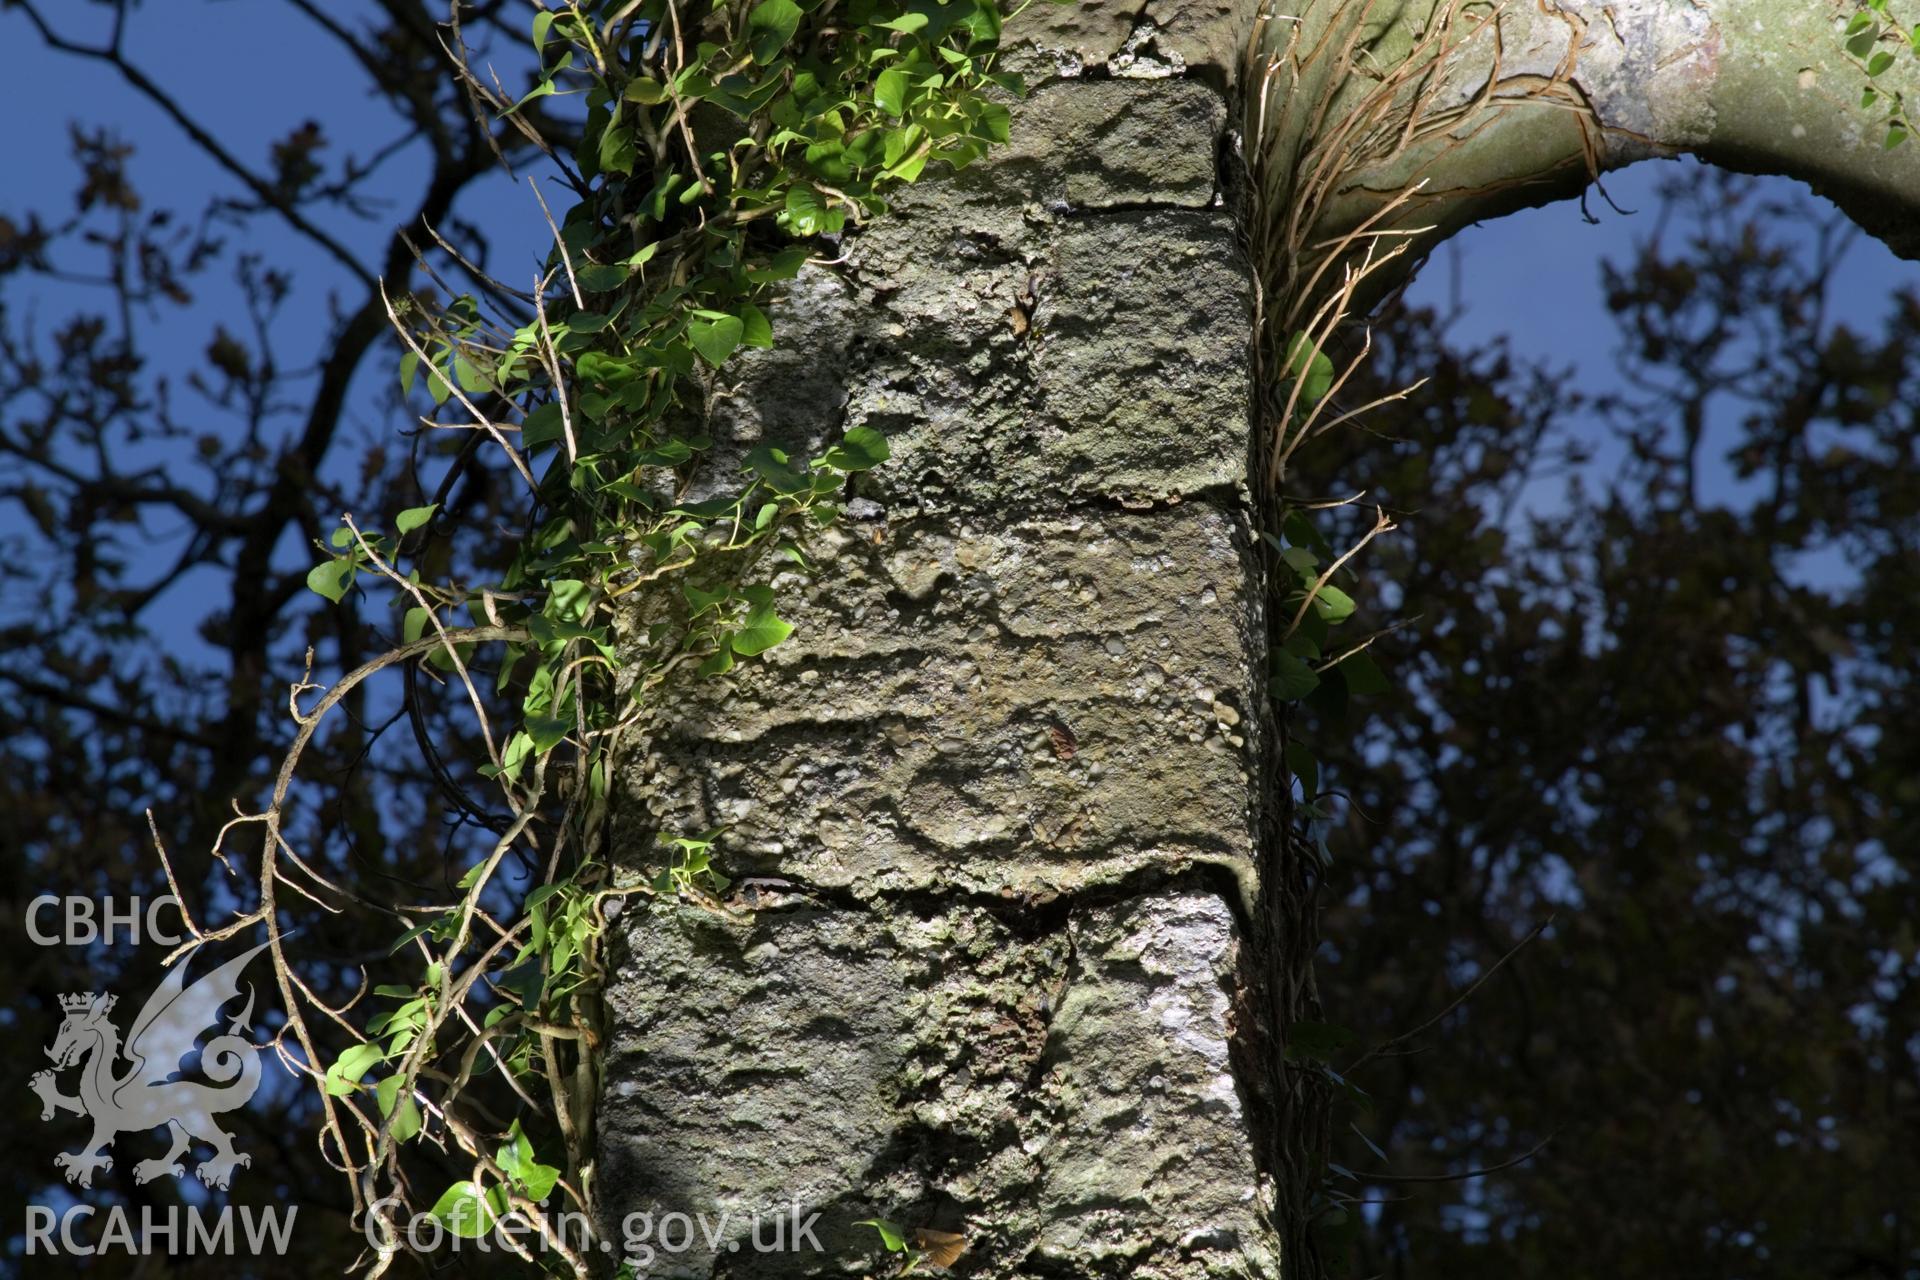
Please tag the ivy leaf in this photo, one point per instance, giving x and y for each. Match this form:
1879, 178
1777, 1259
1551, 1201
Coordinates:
756, 330
618, 149
540, 90
806, 216
861, 449
1311, 366
418, 931
519, 747
1292, 678
1333, 604
890, 91
1363, 674
413, 517
770, 24
332, 578
773, 466
1878, 64
343, 1077
466, 1210
647, 93
784, 265
715, 340
598, 277
515, 1157
547, 732
568, 599
762, 628
543, 426
468, 375
892, 1234
406, 1123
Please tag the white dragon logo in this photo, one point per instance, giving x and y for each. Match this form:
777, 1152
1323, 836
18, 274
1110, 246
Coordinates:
146, 1096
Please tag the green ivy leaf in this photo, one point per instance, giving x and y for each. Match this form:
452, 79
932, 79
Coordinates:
1302, 561
755, 329
1333, 604
805, 214
890, 91
543, 426
406, 1123
547, 732
784, 265
646, 92
519, 748
1363, 674
332, 578
861, 449
1312, 367
468, 376
515, 1157
716, 339
618, 149
1292, 678
344, 1075
762, 628
599, 277
413, 517
892, 1234
770, 24
467, 1211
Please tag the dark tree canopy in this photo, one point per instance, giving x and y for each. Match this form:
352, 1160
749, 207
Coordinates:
160, 517
1658, 698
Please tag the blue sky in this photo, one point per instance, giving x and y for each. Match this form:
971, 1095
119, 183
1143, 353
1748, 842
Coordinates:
1535, 277
208, 57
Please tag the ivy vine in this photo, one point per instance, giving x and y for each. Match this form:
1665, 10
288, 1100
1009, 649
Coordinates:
1874, 40
720, 142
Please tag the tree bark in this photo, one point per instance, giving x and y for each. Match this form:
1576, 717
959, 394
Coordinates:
1001, 809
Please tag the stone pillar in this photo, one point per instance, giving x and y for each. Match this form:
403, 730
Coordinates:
994, 806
